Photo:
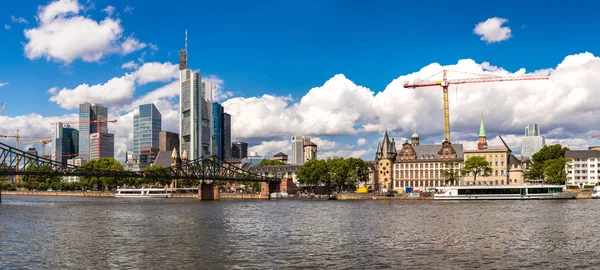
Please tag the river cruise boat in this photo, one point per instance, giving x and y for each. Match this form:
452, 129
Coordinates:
596, 194
505, 192
142, 193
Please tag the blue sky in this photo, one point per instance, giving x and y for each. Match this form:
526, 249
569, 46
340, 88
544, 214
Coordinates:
284, 48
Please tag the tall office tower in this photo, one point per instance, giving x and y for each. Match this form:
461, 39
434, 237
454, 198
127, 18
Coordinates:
239, 150
104, 148
65, 143
226, 138
147, 124
217, 130
167, 141
532, 130
298, 143
532, 142
89, 112
195, 113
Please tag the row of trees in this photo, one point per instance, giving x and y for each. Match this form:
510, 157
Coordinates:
45, 181
341, 173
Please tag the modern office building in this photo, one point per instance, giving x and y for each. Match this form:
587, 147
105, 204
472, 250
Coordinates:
303, 149
255, 158
239, 150
88, 113
147, 156
217, 130
147, 124
532, 142
221, 132
226, 137
584, 167
102, 145
32, 151
167, 141
65, 143
195, 113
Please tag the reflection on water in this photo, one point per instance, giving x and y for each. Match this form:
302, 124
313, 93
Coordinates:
83, 232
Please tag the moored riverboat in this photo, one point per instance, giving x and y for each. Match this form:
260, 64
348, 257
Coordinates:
142, 193
504, 192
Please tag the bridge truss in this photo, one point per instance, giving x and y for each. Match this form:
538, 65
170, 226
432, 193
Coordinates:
17, 162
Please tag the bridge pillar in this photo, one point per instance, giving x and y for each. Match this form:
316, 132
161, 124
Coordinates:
268, 188
208, 192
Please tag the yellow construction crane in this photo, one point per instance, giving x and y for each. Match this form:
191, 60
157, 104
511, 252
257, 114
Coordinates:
2, 107
44, 142
17, 138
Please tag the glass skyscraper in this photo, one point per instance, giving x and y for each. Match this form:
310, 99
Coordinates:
147, 124
65, 143
89, 112
217, 129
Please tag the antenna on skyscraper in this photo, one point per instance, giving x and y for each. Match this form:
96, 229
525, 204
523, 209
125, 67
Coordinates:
186, 42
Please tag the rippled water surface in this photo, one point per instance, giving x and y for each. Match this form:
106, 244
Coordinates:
101, 233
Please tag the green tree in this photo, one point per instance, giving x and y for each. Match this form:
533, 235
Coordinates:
270, 162
4, 184
478, 166
536, 168
42, 178
451, 172
340, 171
158, 175
103, 182
554, 170
358, 171
314, 172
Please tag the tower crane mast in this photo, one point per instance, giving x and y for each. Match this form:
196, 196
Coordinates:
445, 82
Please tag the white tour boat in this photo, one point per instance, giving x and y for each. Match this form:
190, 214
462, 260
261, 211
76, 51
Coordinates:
596, 194
504, 192
142, 193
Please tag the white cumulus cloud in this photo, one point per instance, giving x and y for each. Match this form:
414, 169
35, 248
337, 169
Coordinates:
3, 84
63, 35
361, 141
156, 72
492, 30
130, 65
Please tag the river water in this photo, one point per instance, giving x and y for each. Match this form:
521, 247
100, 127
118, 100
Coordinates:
101, 233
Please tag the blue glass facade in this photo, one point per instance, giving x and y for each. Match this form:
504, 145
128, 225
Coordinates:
66, 143
217, 129
146, 128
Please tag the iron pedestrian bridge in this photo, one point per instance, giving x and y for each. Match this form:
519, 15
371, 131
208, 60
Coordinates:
17, 162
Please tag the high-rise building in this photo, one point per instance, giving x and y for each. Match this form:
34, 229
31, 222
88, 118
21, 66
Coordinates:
310, 151
239, 150
221, 132
167, 141
102, 146
89, 112
226, 138
532, 142
65, 143
195, 113
217, 130
298, 143
32, 151
147, 124
255, 158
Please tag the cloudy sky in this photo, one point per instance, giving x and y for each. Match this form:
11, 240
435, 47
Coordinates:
330, 69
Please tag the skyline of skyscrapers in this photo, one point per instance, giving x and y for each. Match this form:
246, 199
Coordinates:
147, 124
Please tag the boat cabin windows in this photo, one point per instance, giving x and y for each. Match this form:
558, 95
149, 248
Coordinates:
489, 191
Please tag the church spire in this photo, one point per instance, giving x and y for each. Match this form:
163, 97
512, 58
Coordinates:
482, 142
481, 128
